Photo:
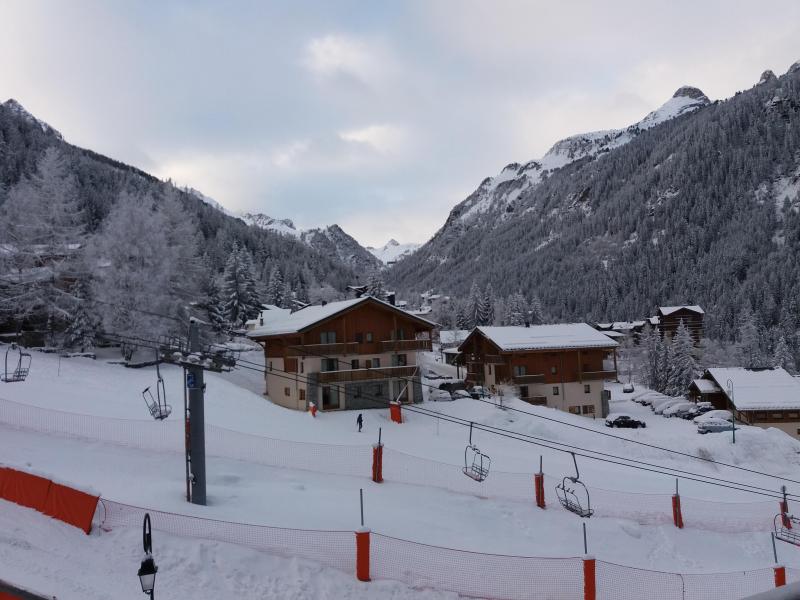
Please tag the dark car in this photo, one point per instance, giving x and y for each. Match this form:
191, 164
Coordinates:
623, 421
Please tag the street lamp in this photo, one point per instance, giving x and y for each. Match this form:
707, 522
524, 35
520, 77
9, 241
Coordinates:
733, 412
148, 568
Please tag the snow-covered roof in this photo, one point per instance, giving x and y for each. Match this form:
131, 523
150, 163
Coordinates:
548, 337
706, 386
269, 314
654, 320
293, 322
668, 310
604, 325
762, 389
453, 336
614, 334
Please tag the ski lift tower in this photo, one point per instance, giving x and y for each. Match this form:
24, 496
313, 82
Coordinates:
195, 360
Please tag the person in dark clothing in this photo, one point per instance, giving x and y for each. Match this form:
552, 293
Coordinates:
360, 422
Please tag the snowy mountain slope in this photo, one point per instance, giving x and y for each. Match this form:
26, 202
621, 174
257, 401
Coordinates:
16, 108
497, 194
331, 240
392, 251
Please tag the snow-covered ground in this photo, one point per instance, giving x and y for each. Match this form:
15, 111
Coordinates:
255, 493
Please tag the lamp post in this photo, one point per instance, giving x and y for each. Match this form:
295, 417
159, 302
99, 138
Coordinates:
733, 412
148, 568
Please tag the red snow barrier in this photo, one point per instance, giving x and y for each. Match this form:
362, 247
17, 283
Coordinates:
377, 463
780, 576
61, 502
362, 555
538, 484
589, 579
677, 516
395, 412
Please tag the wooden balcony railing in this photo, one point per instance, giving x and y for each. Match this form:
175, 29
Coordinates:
606, 374
322, 350
494, 359
406, 346
353, 375
524, 379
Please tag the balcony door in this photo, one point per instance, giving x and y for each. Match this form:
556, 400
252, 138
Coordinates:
330, 398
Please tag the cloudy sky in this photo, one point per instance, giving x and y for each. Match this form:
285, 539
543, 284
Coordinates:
379, 116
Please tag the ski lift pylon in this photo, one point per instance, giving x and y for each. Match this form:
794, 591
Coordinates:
18, 367
573, 494
157, 405
476, 464
787, 528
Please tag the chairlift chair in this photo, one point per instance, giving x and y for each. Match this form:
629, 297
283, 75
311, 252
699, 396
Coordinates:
157, 405
476, 464
786, 534
18, 369
574, 495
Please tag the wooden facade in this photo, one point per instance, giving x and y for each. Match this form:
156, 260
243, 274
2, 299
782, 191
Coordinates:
692, 317
362, 356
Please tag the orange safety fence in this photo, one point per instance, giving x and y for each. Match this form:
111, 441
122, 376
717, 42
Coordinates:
395, 466
56, 500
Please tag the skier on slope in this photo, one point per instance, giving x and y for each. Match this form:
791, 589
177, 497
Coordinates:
360, 422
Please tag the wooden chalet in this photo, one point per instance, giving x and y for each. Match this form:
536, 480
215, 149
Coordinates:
354, 354
561, 366
670, 317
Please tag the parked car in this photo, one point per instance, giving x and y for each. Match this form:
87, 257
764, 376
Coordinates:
659, 410
623, 420
714, 426
657, 401
439, 396
698, 409
725, 415
478, 391
627, 388
706, 406
459, 394
677, 410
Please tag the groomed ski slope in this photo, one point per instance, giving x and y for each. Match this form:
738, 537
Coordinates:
253, 493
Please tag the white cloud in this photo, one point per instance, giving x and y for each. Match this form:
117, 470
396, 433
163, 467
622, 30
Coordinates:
333, 55
287, 157
386, 139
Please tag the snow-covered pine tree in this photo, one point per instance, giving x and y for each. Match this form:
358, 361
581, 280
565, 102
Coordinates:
474, 306
287, 296
536, 311
749, 341
274, 293
782, 355
462, 318
80, 333
487, 308
376, 286
516, 310
239, 292
682, 363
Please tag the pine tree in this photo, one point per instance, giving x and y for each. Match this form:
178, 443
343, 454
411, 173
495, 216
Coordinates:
749, 341
682, 363
462, 318
487, 308
474, 306
536, 312
275, 291
241, 300
375, 285
80, 332
782, 356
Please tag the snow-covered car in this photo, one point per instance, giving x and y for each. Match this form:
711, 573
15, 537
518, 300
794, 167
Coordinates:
662, 406
714, 426
439, 396
697, 410
653, 400
478, 391
627, 388
725, 415
623, 420
677, 410
460, 394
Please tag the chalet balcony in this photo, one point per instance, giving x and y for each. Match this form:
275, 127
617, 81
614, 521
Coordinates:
322, 350
406, 346
355, 375
605, 374
526, 379
494, 359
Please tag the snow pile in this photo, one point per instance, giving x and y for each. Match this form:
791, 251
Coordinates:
392, 251
282, 226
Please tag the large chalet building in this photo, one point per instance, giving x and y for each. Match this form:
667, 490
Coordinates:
354, 354
669, 318
561, 366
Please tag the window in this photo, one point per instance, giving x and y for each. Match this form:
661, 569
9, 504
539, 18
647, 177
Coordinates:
490, 369
399, 360
302, 394
553, 370
301, 366
793, 415
398, 334
519, 370
376, 363
357, 391
777, 415
354, 364
327, 337
368, 337
287, 392
368, 364
379, 389
587, 389
359, 338
330, 398
588, 409
328, 364
523, 391
555, 390
575, 410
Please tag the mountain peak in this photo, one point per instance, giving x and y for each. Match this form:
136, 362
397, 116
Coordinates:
766, 76
392, 242
16, 108
694, 93
794, 68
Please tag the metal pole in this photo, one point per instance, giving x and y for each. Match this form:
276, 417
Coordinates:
540, 464
379, 436
186, 434
733, 412
361, 500
774, 549
197, 432
585, 546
